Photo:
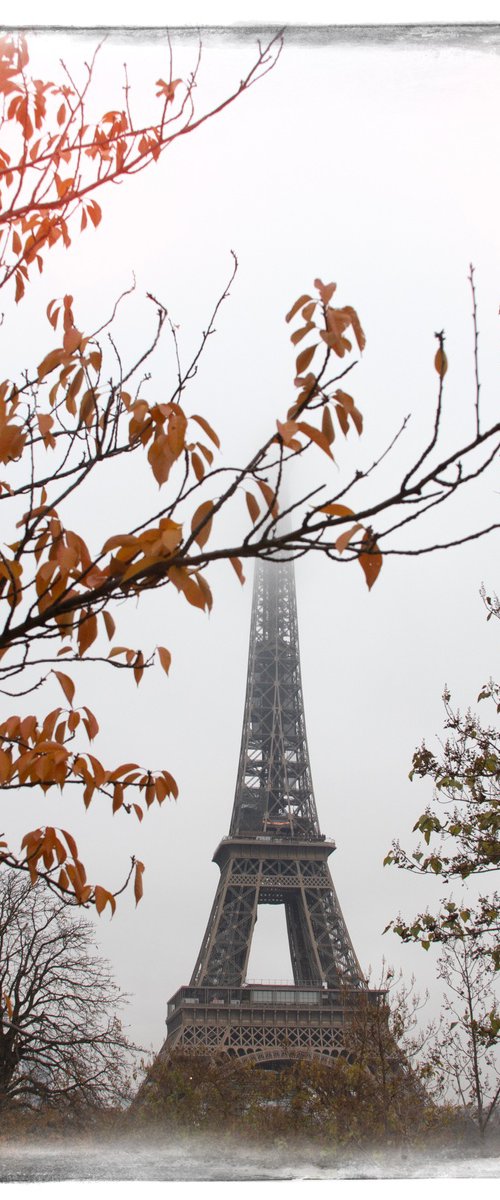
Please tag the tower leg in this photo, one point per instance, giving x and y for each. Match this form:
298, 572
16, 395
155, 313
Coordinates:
306, 963
333, 945
225, 949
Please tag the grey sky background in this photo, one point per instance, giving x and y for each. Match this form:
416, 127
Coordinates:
374, 164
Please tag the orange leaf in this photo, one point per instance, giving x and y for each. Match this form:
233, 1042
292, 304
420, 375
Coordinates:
99, 772
206, 453
119, 539
20, 288
307, 312
45, 423
325, 290
5, 766
138, 888
295, 307
12, 442
269, 496
161, 789
53, 313
67, 685
160, 458
94, 212
88, 792
184, 582
347, 409
124, 769
236, 565
305, 357
441, 363
87, 633
165, 658
177, 426
102, 897
63, 185
335, 341
327, 425
197, 465
72, 339
316, 436
139, 667
344, 539
200, 515
90, 723
301, 333
202, 583
336, 510
87, 406
50, 362
109, 623
355, 322
167, 89
287, 430
173, 790
252, 506
117, 796
208, 430
370, 560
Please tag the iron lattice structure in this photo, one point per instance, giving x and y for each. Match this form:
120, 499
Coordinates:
274, 854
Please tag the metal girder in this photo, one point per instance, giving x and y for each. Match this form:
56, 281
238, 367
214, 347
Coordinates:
274, 786
275, 853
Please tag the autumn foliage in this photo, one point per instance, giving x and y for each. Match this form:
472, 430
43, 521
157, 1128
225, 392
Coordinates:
54, 162
54, 587
79, 410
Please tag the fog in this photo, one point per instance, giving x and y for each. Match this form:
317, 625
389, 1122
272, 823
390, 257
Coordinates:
207, 1159
372, 162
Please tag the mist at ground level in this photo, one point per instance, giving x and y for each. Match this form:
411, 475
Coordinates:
175, 1156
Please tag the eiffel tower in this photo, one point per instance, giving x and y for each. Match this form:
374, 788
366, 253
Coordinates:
275, 854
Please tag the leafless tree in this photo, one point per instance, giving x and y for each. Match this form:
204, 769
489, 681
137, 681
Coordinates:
465, 1054
61, 1041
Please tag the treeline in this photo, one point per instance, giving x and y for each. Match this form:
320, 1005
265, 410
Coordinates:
338, 1106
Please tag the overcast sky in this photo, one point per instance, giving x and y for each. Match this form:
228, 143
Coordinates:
373, 163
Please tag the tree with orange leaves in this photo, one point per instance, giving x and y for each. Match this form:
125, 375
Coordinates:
78, 411
54, 163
